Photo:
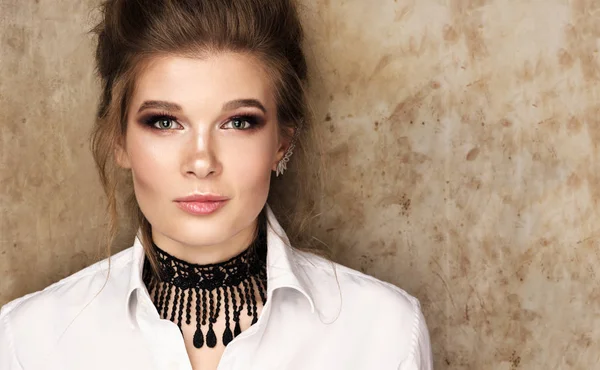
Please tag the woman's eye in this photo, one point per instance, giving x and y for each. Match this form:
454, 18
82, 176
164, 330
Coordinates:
164, 123
161, 122
241, 123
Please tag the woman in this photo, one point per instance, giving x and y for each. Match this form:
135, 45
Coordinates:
202, 100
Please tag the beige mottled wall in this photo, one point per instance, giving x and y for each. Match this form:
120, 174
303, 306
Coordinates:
52, 216
462, 137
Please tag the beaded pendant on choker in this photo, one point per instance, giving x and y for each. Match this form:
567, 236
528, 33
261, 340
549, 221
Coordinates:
201, 290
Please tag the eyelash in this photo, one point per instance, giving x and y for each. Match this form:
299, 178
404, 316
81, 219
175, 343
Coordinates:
252, 120
153, 119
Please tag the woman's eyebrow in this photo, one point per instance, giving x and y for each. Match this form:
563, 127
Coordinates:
234, 104
230, 105
160, 104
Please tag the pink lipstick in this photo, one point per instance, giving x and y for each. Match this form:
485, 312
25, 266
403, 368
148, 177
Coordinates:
201, 204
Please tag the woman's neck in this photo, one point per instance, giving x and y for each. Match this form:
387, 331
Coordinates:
206, 254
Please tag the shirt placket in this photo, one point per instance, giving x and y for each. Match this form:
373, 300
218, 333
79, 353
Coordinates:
163, 338
238, 354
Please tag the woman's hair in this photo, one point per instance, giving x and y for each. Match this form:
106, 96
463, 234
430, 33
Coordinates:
131, 32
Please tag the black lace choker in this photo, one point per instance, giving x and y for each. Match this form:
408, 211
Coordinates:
200, 290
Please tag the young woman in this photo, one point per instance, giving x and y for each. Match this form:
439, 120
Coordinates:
202, 101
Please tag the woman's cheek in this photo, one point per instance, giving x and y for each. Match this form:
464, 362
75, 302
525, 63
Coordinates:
250, 170
152, 161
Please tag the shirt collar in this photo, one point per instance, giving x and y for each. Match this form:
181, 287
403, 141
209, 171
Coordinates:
283, 271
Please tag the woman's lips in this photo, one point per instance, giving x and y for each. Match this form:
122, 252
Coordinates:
200, 207
201, 204
208, 197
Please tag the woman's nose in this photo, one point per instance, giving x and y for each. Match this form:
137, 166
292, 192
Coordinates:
200, 157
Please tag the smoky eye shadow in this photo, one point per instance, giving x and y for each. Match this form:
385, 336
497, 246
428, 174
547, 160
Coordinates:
150, 119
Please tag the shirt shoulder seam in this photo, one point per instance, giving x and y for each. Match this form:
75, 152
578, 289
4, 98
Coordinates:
415, 332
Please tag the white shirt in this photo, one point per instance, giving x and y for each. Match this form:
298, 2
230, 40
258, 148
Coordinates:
308, 322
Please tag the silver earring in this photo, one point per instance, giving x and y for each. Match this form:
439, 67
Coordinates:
282, 165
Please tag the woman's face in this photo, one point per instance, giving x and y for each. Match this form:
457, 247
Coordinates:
202, 127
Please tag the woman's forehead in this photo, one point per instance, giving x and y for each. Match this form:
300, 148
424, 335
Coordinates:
210, 80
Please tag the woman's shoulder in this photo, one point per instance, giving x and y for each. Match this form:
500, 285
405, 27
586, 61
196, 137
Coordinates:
329, 279
32, 325
68, 292
359, 282
340, 292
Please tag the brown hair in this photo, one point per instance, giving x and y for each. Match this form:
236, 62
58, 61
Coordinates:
131, 32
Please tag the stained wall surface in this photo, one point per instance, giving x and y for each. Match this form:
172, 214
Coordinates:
462, 136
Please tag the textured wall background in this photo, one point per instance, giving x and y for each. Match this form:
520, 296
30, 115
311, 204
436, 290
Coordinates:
462, 136
52, 215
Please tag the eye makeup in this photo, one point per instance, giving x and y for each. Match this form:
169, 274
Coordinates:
164, 121
247, 122
158, 120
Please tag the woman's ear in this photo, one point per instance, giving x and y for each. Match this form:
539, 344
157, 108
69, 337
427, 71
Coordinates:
284, 143
121, 157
